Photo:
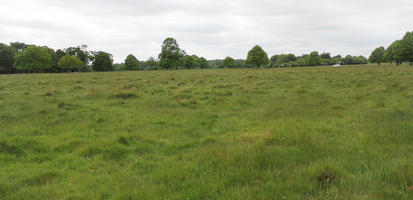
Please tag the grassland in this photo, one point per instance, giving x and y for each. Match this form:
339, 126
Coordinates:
296, 133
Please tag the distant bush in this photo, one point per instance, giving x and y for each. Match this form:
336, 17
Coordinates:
70, 63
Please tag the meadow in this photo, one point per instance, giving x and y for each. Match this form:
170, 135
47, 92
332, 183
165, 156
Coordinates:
290, 133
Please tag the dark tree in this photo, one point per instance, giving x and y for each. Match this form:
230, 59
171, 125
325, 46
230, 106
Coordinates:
407, 48
191, 62
171, 55
203, 63
394, 53
228, 62
132, 63
377, 56
6, 58
325, 55
19, 46
102, 61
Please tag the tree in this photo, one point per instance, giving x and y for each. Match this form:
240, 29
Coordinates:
274, 61
407, 48
377, 56
203, 63
132, 63
361, 60
55, 60
257, 57
191, 62
313, 59
171, 55
70, 63
337, 59
80, 52
151, 63
102, 61
6, 58
228, 62
348, 60
33, 59
393, 53
59, 54
19, 46
325, 55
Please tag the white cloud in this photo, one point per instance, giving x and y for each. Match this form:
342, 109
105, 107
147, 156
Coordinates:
209, 28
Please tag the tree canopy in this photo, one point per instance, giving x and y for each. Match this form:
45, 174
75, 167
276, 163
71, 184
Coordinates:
102, 61
257, 57
131, 62
228, 62
19, 46
377, 56
407, 47
313, 59
191, 62
33, 59
70, 63
6, 58
203, 63
80, 52
171, 55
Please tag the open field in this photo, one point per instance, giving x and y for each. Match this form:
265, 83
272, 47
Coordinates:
296, 133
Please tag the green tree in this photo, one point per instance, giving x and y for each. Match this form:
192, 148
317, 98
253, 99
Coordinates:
191, 62
274, 61
80, 52
228, 62
203, 63
70, 63
151, 63
59, 54
361, 60
19, 46
407, 48
171, 55
6, 58
132, 63
257, 57
348, 60
102, 61
393, 53
377, 56
55, 59
325, 55
313, 59
33, 59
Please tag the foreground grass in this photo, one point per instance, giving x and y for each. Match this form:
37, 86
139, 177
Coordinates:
298, 133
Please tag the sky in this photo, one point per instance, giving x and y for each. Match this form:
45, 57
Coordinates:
213, 29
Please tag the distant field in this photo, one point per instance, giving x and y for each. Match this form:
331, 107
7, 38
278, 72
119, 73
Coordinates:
291, 133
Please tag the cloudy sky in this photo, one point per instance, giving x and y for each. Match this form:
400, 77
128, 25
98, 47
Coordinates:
209, 28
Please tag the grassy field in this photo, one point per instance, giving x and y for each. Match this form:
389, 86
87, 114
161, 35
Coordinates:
293, 133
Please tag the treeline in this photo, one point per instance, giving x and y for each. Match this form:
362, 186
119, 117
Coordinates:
290, 60
398, 52
23, 58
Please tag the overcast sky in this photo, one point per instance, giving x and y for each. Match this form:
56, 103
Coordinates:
209, 28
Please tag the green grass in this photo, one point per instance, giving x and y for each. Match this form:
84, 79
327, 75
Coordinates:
293, 133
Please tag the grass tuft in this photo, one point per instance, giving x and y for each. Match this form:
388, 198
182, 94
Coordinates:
124, 95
